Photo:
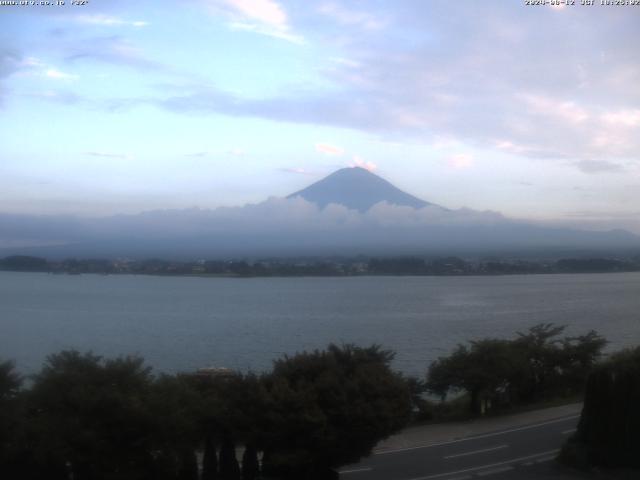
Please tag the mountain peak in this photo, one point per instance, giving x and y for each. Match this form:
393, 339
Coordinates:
358, 189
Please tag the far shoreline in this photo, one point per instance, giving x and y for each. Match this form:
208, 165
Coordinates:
366, 275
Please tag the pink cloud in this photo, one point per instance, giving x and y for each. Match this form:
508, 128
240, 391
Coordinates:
565, 110
358, 161
327, 149
625, 118
460, 161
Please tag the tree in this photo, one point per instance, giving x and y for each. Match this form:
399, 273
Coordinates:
481, 370
10, 417
608, 433
23, 263
329, 408
579, 355
533, 366
233, 411
177, 409
549, 366
89, 417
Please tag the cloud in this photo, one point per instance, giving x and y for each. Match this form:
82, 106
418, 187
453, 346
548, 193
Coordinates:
57, 96
114, 50
107, 21
599, 166
10, 62
30, 62
345, 61
34, 66
327, 149
565, 110
263, 17
296, 170
286, 226
488, 88
267, 31
302, 107
263, 11
236, 152
107, 155
281, 215
346, 16
567, 100
460, 161
58, 75
603, 220
358, 161
14, 63
623, 118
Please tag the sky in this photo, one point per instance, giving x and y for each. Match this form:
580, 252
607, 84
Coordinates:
121, 106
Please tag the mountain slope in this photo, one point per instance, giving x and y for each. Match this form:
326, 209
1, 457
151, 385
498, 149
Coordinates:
357, 189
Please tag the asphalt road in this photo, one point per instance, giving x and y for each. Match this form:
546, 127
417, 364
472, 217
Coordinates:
522, 452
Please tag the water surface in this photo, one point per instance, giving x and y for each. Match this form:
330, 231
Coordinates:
183, 323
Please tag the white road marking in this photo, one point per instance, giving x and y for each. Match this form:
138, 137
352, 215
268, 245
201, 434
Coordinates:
486, 435
491, 465
476, 451
356, 470
567, 432
495, 470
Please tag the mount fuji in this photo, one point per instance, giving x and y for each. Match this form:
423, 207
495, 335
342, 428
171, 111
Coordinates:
358, 189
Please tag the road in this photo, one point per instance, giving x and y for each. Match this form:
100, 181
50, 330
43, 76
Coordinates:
525, 451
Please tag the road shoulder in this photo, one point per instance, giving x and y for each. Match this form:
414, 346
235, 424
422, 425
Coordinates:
425, 435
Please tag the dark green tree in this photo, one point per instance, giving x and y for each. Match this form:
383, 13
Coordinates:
177, 406
482, 370
234, 413
538, 359
88, 416
547, 366
329, 408
11, 421
533, 366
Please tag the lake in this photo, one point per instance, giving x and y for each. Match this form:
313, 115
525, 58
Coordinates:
184, 323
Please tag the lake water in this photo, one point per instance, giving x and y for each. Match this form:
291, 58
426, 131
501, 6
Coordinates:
183, 323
